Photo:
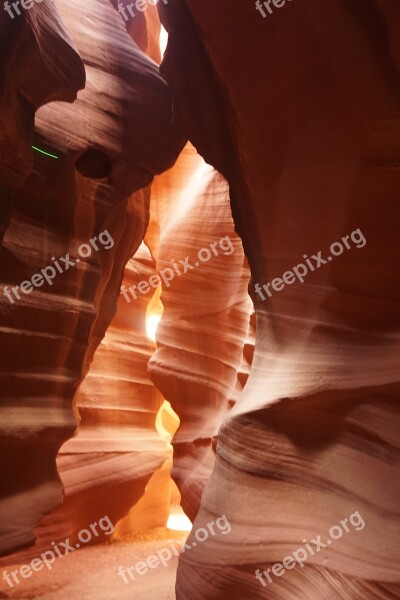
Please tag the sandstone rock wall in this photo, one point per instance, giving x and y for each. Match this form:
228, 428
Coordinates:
39, 64
109, 144
203, 328
306, 131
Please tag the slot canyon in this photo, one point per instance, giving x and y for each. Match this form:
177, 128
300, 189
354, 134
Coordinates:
206, 407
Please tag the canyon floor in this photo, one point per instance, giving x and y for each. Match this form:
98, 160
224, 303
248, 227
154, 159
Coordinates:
92, 574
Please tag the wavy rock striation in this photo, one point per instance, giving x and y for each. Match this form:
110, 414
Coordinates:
306, 132
204, 325
109, 144
44, 68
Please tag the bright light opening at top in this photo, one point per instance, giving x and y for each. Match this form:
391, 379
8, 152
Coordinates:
163, 40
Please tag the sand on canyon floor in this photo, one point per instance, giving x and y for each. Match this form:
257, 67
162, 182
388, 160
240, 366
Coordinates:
92, 573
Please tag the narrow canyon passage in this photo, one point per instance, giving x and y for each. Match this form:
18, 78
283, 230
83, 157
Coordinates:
199, 299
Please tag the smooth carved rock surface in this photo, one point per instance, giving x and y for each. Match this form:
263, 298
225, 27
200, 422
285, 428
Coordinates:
107, 465
144, 27
44, 68
50, 336
307, 132
244, 368
204, 326
169, 192
299, 115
